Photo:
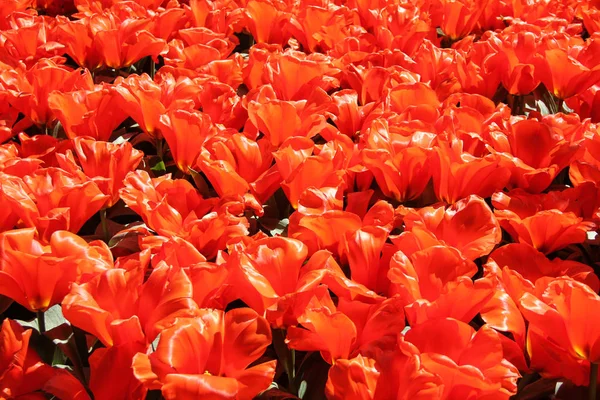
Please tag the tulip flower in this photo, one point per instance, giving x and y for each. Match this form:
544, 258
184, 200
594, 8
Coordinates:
24, 375
87, 112
469, 226
51, 199
104, 163
547, 230
209, 356
38, 276
563, 319
455, 356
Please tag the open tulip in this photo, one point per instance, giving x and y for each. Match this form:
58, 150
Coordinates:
209, 357
38, 276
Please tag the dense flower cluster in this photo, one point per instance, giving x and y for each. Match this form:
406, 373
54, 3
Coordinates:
341, 199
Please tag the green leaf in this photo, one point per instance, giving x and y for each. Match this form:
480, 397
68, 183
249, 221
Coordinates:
159, 167
200, 182
314, 370
53, 317
281, 228
544, 110
302, 389
59, 357
155, 343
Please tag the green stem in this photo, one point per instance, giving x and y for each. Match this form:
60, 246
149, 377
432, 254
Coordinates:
559, 105
287, 357
159, 148
291, 366
41, 322
55, 130
104, 223
291, 372
152, 68
593, 381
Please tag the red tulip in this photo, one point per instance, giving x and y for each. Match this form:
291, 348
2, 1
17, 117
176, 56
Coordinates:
547, 230
29, 89
564, 75
186, 132
39, 276
25, 376
108, 40
104, 163
455, 356
436, 283
51, 199
352, 379
89, 112
534, 153
459, 18
563, 319
468, 226
209, 356
347, 330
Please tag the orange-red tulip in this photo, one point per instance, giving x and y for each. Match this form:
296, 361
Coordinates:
402, 26
436, 283
146, 307
11, 163
37, 276
518, 269
352, 379
145, 100
452, 350
565, 317
564, 75
402, 376
236, 164
163, 203
44, 148
175, 208
7, 216
268, 269
29, 41
534, 153
104, 163
266, 21
258, 277
459, 18
474, 72
347, 330
51, 199
547, 230
89, 112
209, 356
587, 167
468, 225
108, 40
29, 89
113, 364
186, 132
515, 59
301, 169
401, 175
282, 70
279, 120
25, 376
457, 174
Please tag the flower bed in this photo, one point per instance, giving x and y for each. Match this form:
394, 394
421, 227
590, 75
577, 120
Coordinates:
240, 199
